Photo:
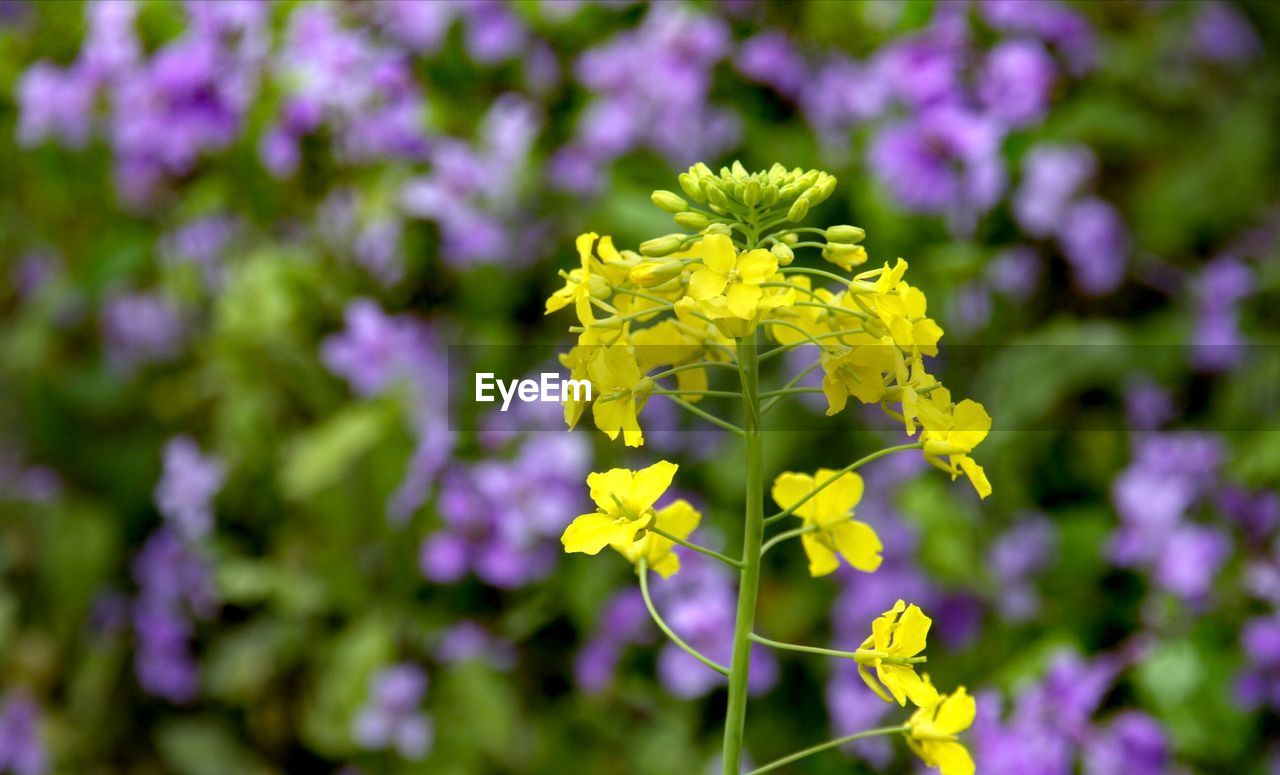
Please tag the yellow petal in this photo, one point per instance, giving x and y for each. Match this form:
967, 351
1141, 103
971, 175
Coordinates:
679, 518
607, 251
649, 484
949, 756
871, 682
821, 559
611, 416
590, 533
789, 488
911, 633
858, 544
977, 476
718, 253
606, 484
584, 243
707, 283
838, 497
956, 713
756, 266
668, 566
742, 299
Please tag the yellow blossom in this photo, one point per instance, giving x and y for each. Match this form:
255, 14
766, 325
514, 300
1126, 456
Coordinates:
622, 393
896, 637
624, 506
584, 283
953, 430
829, 513
933, 730
735, 278
678, 519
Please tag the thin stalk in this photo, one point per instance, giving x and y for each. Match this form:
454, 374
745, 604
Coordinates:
642, 570
789, 391
854, 466
708, 416
820, 747
690, 545
753, 536
777, 644
791, 383
691, 366
717, 393
789, 534
814, 272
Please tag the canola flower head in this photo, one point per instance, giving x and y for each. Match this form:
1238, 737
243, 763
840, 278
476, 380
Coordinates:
624, 506
834, 533
897, 636
933, 730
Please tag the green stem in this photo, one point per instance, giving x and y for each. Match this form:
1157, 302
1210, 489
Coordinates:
791, 383
789, 391
786, 535
815, 272
717, 393
777, 644
691, 366
854, 466
708, 416
820, 747
753, 536
690, 545
642, 570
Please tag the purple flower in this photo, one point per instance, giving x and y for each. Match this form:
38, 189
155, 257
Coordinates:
772, 59
1133, 743
1052, 22
1221, 33
494, 33
139, 328
186, 490
174, 585
1258, 513
1147, 406
1095, 243
843, 93
1217, 341
1052, 175
1014, 272
390, 718
21, 750
201, 243
852, 708
1192, 557
1014, 559
1016, 82
469, 641
924, 69
54, 103
944, 161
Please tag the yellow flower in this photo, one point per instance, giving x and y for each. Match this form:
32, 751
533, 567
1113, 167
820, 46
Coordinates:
856, 370
624, 506
672, 343
584, 283
830, 514
953, 430
933, 731
733, 277
591, 344
896, 637
622, 393
679, 519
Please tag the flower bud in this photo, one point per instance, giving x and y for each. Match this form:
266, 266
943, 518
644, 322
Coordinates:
790, 238
738, 170
799, 209
823, 189
783, 253
693, 221
751, 194
740, 190
689, 183
650, 273
845, 233
844, 255
717, 198
770, 196
644, 388
718, 228
599, 287
662, 246
665, 200
702, 170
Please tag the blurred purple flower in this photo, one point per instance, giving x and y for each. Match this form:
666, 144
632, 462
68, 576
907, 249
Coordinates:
843, 93
1051, 21
1147, 406
1132, 743
1217, 341
54, 103
1192, 557
944, 161
186, 490
1016, 82
1096, 245
772, 59
202, 243
925, 69
468, 640
1052, 175
390, 718
174, 585
1222, 33
1014, 272
21, 750
1014, 558
1257, 513
140, 328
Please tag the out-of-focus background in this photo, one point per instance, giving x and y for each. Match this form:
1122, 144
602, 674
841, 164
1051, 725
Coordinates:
240, 531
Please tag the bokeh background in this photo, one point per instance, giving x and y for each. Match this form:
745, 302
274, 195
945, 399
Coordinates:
241, 530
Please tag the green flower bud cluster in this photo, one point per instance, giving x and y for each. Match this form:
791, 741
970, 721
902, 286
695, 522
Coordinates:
736, 194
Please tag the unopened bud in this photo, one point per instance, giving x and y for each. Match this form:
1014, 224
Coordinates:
662, 246
739, 171
799, 209
717, 198
693, 221
783, 253
689, 183
770, 196
823, 189
650, 273
751, 193
844, 255
666, 200
845, 233
718, 228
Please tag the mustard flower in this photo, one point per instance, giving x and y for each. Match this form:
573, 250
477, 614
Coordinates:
732, 276
585, 282
933, 731
622, 393
678, 519
952, 431
897, 636
830, 515
624, 506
